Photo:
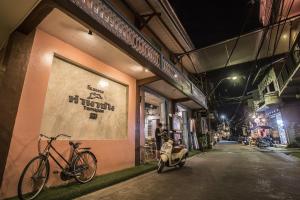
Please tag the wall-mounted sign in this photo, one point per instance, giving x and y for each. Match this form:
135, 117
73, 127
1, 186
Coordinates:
93, 103
83, 104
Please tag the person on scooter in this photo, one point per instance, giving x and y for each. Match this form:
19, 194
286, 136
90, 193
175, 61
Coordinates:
158, 134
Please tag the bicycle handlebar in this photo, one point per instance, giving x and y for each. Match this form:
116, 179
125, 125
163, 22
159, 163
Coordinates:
54, 138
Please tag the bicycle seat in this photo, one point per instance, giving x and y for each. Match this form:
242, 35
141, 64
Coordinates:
74, 144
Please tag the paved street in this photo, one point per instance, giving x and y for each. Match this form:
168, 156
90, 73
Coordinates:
230, 172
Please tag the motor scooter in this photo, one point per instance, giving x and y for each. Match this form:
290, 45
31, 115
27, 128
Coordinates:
171, 155
265, 142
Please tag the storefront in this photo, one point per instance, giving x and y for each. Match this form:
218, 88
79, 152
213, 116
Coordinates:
185, 127
275, 121
155, 113
69, 88
84, 79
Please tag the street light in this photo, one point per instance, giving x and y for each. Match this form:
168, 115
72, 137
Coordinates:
223, 117
226, 78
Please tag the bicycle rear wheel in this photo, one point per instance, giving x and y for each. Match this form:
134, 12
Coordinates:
33, 178
85, 166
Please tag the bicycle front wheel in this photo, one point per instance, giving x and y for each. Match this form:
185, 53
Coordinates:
85, 166
33, 178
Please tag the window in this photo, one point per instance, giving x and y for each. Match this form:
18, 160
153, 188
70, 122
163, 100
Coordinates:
271, 87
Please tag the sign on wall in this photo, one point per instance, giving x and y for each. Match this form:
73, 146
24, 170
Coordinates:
83, 104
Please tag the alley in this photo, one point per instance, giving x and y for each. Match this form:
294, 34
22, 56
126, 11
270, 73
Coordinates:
229, 172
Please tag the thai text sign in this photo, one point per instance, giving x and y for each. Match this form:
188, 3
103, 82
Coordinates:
83, 104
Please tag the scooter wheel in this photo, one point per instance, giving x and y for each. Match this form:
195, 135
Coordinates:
160, 166
181, 164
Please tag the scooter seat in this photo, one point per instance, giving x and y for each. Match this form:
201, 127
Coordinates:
177, 149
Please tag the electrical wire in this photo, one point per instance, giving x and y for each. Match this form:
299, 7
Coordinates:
240, 34
286, 18
265, 31
261, 44
267, 52
278, 27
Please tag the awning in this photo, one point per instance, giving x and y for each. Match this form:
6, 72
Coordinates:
164, 89
215, 56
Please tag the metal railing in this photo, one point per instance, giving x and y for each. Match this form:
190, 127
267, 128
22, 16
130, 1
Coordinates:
105, 14
290, 66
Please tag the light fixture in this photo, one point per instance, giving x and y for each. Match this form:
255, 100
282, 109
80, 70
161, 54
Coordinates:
175, 75
284, 36
279, 122
103, 83
223, 116
146, 70
137, 68
90, 32
234, 78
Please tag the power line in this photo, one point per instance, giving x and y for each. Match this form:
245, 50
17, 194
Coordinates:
240, 34
287, 15
236, 41
261, 44
254, 68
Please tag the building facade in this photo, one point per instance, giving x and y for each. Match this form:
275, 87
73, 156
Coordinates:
81, 67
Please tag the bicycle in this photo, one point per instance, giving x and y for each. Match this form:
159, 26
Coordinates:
149, 151
81, 166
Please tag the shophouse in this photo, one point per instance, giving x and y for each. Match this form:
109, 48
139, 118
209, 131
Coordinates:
81, 67
276, 103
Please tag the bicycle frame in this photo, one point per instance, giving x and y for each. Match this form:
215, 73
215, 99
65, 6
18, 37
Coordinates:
47, 153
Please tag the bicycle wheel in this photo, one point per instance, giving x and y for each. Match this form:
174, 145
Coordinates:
33, 178
85, 166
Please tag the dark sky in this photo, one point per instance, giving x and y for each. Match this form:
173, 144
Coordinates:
210, 21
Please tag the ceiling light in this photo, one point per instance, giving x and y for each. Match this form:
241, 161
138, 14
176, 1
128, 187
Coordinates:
137, 68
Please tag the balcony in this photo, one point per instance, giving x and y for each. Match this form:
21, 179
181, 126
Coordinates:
109, 18
290, 67
269, 100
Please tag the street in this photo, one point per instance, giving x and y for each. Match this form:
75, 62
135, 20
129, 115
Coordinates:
231, 171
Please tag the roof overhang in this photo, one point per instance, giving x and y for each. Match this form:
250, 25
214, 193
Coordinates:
164, 89
215, 56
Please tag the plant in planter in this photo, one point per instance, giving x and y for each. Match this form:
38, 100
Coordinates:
203, 142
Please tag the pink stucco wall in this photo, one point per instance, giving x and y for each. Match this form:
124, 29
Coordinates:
112, 155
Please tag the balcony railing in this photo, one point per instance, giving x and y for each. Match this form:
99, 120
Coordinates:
290, 66
108, 17
267, 100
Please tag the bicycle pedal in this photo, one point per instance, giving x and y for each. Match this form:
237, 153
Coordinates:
56, 172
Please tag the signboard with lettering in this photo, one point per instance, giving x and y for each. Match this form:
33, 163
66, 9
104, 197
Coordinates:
83, 104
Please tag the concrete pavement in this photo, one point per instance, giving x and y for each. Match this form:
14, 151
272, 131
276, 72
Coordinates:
230, 172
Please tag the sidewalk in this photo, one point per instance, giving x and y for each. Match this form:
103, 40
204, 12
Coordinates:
74, 190
281, 149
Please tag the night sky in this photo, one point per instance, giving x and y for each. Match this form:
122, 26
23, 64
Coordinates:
208, 22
